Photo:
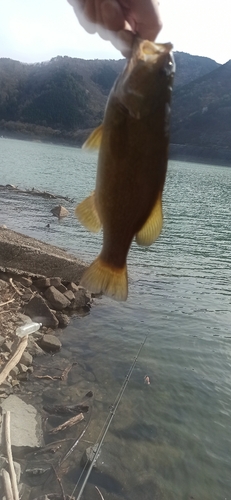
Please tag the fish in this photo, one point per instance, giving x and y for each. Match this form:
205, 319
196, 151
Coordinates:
132, 163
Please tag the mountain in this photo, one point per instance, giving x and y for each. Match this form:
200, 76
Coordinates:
189, 68
201, 110
63, 99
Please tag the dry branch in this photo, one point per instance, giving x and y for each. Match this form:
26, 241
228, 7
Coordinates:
14, 359
66, 371
8, 302
48, 377
69, 423
99, 492
15, 288
7, 485
9, 457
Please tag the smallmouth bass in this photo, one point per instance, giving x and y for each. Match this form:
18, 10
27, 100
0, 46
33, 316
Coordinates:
132, 163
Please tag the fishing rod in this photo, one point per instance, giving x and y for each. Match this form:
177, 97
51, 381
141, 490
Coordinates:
107, 423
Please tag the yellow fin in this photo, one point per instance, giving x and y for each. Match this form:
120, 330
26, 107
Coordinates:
94, 140
152, 227
100, 277
87, 214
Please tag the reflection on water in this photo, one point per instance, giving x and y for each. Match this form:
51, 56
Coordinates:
169, 440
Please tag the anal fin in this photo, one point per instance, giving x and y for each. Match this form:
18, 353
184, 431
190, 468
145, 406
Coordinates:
153, 225
86, 213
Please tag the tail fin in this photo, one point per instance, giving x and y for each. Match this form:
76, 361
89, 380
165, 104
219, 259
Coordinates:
112, 281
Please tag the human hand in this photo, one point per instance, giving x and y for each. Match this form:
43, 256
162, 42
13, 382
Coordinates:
119, 20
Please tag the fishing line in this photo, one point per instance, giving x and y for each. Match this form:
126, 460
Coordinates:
107, 423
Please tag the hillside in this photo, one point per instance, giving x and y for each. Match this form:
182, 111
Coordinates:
202, 111
61, 100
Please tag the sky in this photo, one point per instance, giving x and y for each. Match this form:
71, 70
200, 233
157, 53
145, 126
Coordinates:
37, 30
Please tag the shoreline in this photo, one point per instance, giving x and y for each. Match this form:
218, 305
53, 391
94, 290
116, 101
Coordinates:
39, 283
33, 300
177, 152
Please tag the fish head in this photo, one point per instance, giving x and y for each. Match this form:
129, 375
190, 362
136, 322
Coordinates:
146, 82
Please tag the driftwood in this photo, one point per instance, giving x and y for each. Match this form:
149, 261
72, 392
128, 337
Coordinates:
7, 485
101, 496
48, 377
63, 375
66, 409
69, 423
35, 192
14, 360
15, 288
8, 302
9, 457
66, 371
72, 448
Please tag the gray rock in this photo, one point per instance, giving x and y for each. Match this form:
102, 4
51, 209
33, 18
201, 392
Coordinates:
73, 287
22, 368
82, 299
5, 388
25, 491
63, 319
69, 295
39, 311
24, 318
25, 425
23, 376
56, 298
8, 346
14, 372
2, 340
27, 282
42, 283
61, 288
89, 455
34, 348
55, 281
3, 285
26, 359
50, 343
59, 211
3, 463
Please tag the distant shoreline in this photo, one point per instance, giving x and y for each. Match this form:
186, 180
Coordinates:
180, 152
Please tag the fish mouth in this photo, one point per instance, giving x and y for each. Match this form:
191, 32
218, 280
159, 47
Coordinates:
159, 54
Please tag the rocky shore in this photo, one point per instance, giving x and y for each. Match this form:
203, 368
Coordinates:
38, 283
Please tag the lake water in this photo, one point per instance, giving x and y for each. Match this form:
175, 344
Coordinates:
170, 440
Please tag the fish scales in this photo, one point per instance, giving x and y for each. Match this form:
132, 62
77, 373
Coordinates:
132, 164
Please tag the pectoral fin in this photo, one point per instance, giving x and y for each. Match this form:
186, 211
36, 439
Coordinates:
94, 140
86, 212
153, 225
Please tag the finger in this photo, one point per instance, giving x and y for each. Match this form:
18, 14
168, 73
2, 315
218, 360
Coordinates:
144, 17
123, 41
90, 10
79, 9
108, 18
112, 15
